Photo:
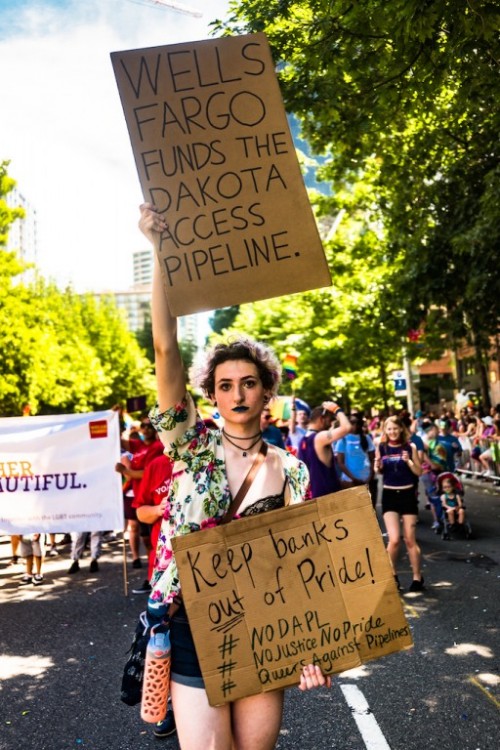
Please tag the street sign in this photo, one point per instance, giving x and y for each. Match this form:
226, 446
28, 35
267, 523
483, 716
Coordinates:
399, 378
400, 385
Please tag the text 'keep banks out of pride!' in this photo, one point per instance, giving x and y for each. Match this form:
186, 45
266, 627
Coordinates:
310, 583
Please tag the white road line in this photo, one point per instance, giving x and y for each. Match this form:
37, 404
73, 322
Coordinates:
365, 720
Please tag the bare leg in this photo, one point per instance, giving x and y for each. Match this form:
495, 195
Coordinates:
250, 734
247, 724
409, 531
200, 725
393, 528
29, 565
483, 460
476, 465
133, 538
14, 540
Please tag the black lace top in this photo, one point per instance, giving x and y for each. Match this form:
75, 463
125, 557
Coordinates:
263, 504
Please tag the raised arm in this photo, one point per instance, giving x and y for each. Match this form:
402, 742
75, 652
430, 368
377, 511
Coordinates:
170, 375
327, 437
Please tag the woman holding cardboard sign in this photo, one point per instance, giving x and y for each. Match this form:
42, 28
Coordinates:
240, 378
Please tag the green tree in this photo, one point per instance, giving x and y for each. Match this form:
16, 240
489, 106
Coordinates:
16, 334
403, 95
61, 352
7, 214
223, 318
188, 347
348, 336
144, 337
67, 353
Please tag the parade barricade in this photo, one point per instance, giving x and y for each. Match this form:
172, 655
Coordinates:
472, 468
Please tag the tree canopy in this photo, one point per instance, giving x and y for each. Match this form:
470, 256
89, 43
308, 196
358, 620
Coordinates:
61, 352
402, 99
7, 214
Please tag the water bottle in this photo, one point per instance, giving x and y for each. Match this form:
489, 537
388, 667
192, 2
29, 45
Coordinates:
156, 675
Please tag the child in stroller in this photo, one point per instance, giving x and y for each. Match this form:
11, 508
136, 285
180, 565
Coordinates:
451, 492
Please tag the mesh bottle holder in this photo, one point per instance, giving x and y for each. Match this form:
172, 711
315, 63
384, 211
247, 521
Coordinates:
155, 688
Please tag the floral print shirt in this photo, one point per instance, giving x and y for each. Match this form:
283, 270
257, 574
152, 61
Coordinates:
199, 493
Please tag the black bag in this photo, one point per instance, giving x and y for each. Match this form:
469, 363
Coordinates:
133, 672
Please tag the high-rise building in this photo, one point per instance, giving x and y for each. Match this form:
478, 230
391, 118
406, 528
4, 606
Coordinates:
143, 266
136, 301
136, 304
23, 236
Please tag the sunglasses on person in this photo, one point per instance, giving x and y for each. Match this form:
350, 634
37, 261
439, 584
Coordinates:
144, 425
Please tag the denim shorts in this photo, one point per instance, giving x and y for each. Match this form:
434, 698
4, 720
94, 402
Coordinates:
184, 666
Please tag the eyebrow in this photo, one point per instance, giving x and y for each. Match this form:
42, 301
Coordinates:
230, 380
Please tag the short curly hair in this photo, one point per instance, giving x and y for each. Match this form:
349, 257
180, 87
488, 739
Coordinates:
239, 347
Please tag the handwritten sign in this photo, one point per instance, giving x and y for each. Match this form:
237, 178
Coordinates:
214, 154
309, 583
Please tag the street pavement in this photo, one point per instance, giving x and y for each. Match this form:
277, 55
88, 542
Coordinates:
63, 648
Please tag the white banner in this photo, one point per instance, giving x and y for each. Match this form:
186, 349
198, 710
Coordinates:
57, 473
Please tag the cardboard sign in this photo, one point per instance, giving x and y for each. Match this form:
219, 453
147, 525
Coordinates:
214, 154
268, 594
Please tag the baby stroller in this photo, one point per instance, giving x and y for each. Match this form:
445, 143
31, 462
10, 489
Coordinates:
455, 529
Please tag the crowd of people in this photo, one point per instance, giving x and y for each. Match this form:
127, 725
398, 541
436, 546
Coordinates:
399, 457
182, 473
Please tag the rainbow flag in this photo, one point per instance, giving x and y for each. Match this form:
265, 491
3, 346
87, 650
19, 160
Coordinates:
290, 366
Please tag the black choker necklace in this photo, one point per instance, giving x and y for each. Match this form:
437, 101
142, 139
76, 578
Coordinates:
247, 437
244, 451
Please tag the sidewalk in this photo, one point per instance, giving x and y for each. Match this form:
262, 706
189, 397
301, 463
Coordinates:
63, 648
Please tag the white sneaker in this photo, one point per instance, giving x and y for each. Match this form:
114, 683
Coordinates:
37, 579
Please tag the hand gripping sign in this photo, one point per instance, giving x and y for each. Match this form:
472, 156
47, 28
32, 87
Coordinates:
310, 583
214, 154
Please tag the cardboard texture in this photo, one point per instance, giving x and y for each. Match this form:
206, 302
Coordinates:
214, 153
267, 594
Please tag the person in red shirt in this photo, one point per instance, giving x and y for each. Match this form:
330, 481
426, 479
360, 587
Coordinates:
143, 451
150, 504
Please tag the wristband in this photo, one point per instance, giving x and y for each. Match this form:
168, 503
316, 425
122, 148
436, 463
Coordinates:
337, 411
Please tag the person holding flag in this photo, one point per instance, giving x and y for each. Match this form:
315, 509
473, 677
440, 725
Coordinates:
299, 418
